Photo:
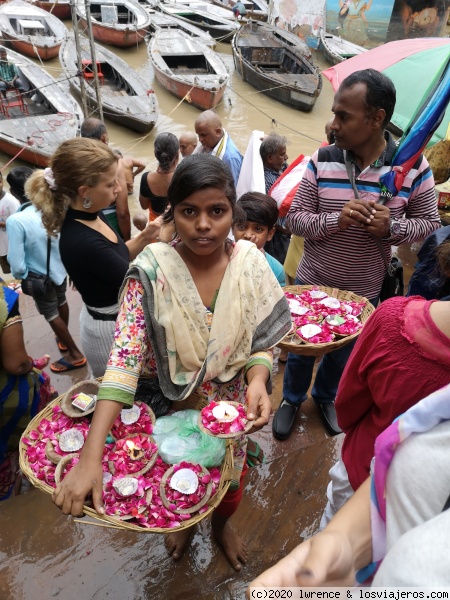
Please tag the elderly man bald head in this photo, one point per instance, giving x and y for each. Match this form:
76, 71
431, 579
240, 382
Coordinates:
216, 141
188, 143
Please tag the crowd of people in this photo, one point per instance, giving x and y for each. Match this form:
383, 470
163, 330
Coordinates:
162, 305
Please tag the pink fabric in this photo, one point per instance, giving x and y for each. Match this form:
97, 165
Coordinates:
400, 358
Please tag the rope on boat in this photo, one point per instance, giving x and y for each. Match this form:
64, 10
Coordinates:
225, 37
12, 159
185, 97
272, 119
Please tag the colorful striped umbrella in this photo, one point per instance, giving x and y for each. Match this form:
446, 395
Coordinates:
415, 66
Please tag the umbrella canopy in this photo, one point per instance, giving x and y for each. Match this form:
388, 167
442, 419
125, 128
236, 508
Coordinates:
413, 65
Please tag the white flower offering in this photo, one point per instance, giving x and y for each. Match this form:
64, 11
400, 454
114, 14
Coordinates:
224, 412
317, 294
71, 440
309, 331
106, 477
184, 481
331, 302
296, 308
126, 486
129, 416
335, 320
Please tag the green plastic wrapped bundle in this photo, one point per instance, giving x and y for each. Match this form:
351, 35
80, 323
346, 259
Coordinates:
179, 438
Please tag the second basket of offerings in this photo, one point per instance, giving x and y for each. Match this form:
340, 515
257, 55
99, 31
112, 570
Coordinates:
323, 319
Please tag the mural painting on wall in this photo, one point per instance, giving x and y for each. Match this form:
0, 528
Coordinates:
300, 17
418, 18
363, 22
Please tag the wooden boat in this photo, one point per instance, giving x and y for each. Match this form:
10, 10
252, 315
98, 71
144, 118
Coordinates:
201, 15
158, 21
48, 116
335, 49
276, 68
31, 30
256, 9
188, 68
121, 23
59, 8
125, 96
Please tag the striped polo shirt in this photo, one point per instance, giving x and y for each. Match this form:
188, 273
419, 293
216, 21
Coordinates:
350, 259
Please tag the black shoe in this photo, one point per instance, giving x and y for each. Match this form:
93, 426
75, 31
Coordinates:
283, 421
328, 414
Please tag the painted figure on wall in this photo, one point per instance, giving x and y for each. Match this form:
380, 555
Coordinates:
353, 21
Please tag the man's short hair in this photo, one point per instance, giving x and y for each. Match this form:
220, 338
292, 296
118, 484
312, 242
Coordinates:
380, 91
93, 129
270, 145
257, 208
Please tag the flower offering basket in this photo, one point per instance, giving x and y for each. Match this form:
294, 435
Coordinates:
293, 343
194, 402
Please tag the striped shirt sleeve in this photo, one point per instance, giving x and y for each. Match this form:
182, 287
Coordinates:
304, 217
421, 216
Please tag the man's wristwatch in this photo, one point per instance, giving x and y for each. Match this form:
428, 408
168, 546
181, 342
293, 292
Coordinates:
394, 228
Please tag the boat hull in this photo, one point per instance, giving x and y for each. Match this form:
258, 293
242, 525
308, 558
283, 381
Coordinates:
121, 38
335, 49
199, 97
131, 104
276, 68
51, 116
61, 10
33, 50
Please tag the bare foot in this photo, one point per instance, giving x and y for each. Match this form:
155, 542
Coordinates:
177, 542
231, 543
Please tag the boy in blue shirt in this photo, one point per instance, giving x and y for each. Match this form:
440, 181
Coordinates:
255, 217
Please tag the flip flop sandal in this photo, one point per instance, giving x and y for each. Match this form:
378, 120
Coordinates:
61, 345
253, 456
66, 365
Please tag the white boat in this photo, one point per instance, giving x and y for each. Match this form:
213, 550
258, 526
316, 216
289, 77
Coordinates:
335, 49
205, 16
121, 23
159, 20
33, 125
125, 96
188, 68
31, 30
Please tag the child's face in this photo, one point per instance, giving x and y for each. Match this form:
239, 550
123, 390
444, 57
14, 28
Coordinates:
253, 232
203, 221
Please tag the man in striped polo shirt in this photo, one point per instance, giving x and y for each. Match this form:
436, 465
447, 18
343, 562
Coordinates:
340, 230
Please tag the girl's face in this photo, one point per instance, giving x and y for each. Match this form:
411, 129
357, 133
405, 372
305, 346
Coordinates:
105, 192
203, 221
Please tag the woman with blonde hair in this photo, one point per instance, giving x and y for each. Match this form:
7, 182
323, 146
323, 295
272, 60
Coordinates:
81, 180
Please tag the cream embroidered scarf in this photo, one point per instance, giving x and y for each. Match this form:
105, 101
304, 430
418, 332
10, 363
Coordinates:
251, 314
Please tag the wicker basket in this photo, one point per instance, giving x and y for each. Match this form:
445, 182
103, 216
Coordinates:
226, 471
292, 343
90, 386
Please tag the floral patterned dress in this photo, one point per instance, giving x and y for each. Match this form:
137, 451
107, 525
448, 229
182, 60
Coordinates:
132, 356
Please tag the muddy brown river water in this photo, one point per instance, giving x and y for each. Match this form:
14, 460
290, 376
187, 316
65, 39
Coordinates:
45, 555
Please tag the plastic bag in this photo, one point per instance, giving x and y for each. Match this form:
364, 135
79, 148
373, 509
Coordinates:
179, 438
